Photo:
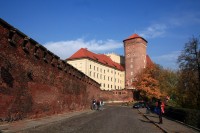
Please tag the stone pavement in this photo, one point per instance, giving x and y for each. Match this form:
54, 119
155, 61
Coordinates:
33, 123
168, 126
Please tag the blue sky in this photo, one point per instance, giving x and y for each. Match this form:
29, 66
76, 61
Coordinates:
64, 26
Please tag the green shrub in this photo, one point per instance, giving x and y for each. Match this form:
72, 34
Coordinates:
187, 116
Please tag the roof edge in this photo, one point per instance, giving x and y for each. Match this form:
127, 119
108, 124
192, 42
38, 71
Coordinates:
135, 38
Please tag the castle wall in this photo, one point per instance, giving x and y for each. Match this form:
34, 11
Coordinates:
34, 82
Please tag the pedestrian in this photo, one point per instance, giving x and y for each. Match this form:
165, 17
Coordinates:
159, 111
93, 104
147, 108
98, 104
162, 107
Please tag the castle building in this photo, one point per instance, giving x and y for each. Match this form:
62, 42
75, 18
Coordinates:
117, 58
112, 71
110, 74
135, 58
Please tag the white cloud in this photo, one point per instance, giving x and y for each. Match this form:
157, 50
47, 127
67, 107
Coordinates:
160, 28
168, 60
65, 49
185, 18
153, 31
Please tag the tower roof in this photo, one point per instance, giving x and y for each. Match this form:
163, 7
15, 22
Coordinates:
133, 37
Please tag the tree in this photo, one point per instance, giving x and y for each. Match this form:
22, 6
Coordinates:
155, 81
189, 80
168, 80
147, 84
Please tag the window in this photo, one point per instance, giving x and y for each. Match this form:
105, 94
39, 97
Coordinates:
108, 78
131, 73
94, 67
94, 75
108, 85
97, 69
90, 73
90, 66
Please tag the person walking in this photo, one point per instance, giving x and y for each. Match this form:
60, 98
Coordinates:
162, 107
160, 111
93, 104
147, 108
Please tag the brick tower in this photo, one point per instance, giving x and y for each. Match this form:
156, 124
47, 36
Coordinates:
135, 58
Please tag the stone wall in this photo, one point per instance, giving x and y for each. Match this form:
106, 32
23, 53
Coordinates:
34, 82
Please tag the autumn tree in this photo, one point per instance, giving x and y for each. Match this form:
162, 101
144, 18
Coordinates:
155, 81
189, 75
147, 84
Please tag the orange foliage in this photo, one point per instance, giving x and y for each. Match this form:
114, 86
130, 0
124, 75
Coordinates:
146, 82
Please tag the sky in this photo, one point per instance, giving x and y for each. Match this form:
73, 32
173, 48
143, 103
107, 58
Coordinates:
65, 26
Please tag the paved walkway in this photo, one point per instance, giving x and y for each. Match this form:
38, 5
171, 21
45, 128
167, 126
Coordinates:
168, 126
33, 123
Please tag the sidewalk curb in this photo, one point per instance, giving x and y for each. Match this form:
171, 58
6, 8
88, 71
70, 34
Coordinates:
182, 123
197, 129
153, 122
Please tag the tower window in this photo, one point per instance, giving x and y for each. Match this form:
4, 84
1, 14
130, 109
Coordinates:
131, 73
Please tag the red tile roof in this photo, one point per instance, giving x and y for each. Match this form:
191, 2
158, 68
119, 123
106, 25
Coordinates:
149, 61
101, 58
134, 36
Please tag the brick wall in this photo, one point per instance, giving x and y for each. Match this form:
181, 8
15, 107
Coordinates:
34, 82
135, 59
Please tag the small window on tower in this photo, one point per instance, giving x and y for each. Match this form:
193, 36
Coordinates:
131, 73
